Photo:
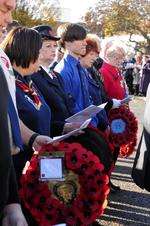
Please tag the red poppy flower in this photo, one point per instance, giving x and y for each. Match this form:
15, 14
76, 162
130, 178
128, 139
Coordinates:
124, 132
88, 202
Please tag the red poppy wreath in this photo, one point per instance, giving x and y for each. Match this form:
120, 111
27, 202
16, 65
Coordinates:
78, 200
123, 130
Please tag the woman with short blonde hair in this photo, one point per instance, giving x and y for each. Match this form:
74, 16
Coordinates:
114, 82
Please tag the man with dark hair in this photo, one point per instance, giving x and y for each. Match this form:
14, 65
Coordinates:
70, 32
73, 74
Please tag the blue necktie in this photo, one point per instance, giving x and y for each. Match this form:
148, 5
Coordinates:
15, 128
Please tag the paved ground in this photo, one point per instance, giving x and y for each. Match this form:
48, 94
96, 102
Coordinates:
130, 206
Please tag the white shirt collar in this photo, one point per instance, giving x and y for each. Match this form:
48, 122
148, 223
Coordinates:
47, 70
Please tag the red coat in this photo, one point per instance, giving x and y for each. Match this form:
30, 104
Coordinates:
113, 81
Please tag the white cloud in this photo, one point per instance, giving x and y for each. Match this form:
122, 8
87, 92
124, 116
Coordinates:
75, 9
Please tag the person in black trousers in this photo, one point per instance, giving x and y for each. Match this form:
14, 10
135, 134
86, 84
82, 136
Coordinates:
8, 184
10, 210
5, 157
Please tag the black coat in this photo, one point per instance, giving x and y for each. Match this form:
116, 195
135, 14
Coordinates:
102, 96
141, 167
98, 95
8, 187
55, 97
145, 80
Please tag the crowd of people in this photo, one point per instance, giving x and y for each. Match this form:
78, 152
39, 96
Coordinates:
46, 78
136, 73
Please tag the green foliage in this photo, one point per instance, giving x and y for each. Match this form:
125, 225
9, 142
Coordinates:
31, 13
26, 19
120, 17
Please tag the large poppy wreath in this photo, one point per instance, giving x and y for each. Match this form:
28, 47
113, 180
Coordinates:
78, 200
123, 130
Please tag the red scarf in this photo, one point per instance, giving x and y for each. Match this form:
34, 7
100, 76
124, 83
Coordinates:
30, 91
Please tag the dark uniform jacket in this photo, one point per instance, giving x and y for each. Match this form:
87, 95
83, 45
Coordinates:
98, 96
36, 119
52, 90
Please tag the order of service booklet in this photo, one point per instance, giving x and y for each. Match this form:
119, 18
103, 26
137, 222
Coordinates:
85, 114
73, 132
85, 117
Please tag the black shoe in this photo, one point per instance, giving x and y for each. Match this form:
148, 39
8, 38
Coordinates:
114, 188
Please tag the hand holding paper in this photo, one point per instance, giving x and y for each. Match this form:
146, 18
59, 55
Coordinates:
127, 100
117, 103
68, 127
72, 133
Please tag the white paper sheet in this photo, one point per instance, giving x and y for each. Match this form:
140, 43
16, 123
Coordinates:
87, 113
51, 168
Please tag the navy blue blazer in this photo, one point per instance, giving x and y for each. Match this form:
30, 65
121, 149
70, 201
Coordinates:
52, 90
95, 92
35, 119
38, 120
